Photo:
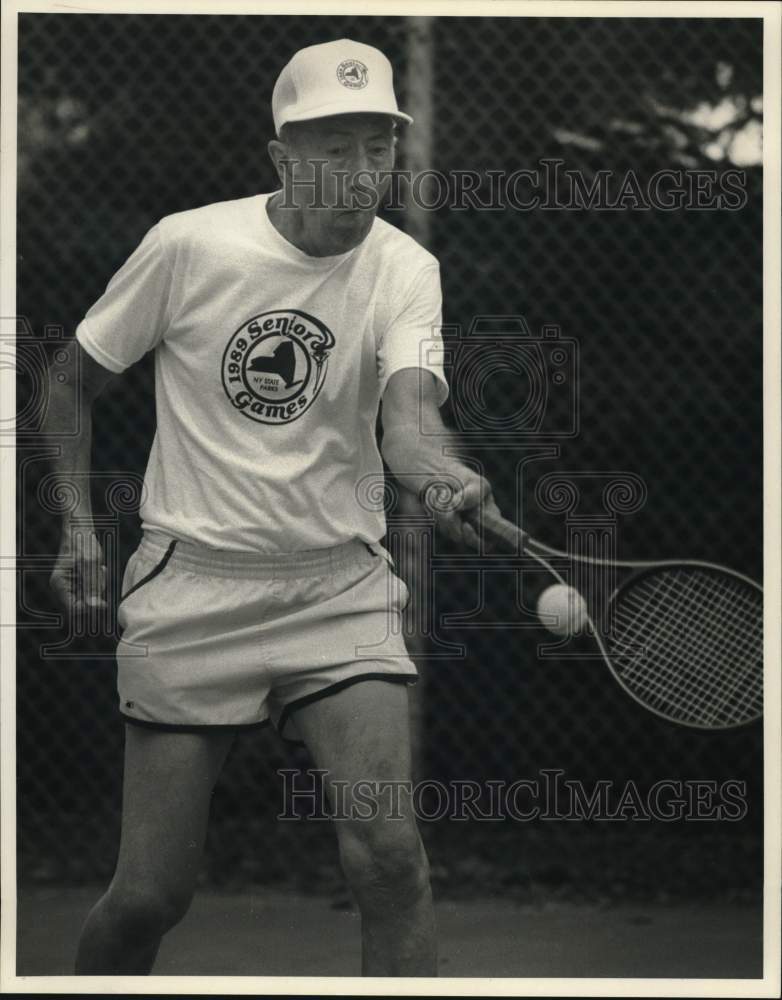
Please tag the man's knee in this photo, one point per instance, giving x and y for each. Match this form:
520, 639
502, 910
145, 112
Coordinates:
384, 860
147, 910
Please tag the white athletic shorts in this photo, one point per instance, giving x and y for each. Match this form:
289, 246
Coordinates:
214, 638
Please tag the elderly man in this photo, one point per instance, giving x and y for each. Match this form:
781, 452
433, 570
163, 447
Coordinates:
260, 591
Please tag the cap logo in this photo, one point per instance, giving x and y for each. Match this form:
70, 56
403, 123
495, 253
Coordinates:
353, 74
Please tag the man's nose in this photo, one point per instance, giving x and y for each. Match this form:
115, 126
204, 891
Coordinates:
361, 162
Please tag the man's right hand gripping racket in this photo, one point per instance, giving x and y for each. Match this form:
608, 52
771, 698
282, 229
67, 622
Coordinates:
684, 639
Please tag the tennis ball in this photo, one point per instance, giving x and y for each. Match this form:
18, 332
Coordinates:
566, 606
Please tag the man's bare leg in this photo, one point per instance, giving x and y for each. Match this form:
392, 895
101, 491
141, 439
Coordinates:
361, 733
168, 783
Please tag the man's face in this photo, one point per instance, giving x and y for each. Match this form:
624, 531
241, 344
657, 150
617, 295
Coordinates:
354, 150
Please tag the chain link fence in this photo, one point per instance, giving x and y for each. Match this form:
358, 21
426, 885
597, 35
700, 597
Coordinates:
658, 308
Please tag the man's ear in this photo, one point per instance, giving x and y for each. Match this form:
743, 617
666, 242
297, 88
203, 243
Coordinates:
279, 153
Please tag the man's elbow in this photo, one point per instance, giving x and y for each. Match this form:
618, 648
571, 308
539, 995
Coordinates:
410, 401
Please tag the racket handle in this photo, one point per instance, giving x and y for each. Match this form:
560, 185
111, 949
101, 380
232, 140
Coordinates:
497, 529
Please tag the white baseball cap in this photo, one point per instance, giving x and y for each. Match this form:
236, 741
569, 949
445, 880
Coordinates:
335, 78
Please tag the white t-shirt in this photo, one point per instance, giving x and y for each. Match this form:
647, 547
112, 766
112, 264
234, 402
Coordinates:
269, 369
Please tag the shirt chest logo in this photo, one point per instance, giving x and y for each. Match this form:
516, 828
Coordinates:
275, 364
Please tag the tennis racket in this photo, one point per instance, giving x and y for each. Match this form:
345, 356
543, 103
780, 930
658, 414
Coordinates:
684, 639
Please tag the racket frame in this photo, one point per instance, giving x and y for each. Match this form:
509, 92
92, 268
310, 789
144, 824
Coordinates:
512, 536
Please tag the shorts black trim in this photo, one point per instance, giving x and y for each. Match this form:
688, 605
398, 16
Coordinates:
308, 699
152, 573
170, 727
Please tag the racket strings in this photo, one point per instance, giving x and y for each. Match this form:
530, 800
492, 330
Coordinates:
682, 678
689, 643
686, 701
713, 650
681, 616
746, 614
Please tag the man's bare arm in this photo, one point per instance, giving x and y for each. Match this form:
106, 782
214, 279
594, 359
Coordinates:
415, 459
79, 576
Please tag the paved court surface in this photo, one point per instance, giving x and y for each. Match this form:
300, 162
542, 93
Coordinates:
280, 933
